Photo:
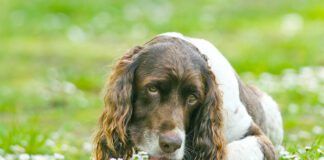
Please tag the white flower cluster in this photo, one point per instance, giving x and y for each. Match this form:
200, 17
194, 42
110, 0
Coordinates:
19, 153
308, 79
140, 156
284, 154
25, 156
136, 156
53, 144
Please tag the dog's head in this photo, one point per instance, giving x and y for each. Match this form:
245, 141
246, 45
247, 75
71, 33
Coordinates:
163, 99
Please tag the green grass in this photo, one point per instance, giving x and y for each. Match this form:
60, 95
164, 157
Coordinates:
55, 56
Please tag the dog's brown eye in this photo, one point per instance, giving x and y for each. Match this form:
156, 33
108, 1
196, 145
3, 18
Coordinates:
191, 100
152, 89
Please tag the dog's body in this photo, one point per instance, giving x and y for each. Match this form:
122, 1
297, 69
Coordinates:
242, 105
229, 120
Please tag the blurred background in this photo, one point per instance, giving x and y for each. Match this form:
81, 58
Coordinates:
55, 56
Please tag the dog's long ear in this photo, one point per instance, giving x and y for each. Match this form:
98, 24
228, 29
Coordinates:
208, 140
111, 140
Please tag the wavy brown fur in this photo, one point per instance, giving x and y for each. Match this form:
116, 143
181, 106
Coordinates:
111, 139
208, 135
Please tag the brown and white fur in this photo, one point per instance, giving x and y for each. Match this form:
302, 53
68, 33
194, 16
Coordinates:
238, 122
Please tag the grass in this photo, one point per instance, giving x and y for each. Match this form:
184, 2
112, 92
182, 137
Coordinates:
55, 56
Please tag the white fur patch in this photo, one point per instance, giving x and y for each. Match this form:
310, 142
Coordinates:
181, 151
151, 144
247, 148
273, 120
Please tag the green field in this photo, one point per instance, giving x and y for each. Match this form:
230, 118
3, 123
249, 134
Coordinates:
55, 56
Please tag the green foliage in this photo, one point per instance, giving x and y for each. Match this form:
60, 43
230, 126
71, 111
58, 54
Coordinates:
55, 56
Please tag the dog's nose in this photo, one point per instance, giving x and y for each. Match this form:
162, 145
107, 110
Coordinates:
169, 142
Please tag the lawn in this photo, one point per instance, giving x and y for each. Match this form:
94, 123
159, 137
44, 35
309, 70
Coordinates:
55, 56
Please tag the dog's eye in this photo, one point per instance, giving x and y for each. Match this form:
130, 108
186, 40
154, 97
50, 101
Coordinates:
192, 100
152, 90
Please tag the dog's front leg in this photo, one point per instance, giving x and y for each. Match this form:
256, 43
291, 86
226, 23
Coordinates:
254, 146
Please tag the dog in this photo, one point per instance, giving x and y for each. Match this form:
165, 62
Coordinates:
177, 97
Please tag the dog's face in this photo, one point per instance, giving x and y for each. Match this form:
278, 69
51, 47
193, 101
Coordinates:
163, 99
169, 87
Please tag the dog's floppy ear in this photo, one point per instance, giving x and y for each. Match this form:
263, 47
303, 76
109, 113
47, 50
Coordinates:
111, 140
208, 140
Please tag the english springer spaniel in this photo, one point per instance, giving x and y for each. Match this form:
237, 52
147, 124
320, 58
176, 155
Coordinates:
177, 97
